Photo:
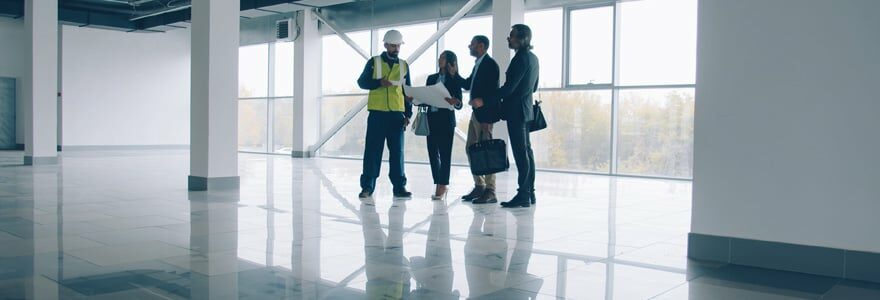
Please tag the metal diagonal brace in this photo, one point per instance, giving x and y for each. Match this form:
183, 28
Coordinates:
341, 34
443, 29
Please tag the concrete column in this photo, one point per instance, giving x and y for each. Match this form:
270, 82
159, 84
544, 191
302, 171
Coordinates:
41, 82
307, 86
505, 13
60, 109
214, 101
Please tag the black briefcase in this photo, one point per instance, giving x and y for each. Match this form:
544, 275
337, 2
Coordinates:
488, 157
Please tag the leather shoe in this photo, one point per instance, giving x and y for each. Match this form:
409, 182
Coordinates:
487, 197
474, 194
518, 201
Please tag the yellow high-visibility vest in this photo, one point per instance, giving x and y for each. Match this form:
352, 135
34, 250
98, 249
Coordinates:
388, 98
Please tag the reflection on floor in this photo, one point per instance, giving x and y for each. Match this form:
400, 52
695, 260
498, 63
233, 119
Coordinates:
121, 225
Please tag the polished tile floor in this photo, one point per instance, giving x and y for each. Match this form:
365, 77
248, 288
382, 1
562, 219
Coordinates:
121, 225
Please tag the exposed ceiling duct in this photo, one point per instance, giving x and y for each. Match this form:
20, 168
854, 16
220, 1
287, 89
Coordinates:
152, 15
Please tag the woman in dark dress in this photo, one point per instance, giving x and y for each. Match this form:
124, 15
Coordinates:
442, 122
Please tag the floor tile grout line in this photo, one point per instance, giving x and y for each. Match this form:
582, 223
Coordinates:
673, 288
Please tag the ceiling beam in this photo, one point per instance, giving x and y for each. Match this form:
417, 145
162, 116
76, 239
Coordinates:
79, 15
13, 9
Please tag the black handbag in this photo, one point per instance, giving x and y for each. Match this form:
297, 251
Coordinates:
488, 157
538, 122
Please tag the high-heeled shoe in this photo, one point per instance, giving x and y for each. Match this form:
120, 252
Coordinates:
440, 196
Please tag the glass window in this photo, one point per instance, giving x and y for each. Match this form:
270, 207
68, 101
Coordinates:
592, 45
350, 140
282, 124
415, 148
579, 131
656, 132
252, 125
462, 121
253, 71
459, 37
413, 37
342, 65
283, 69
547, 39
658, 42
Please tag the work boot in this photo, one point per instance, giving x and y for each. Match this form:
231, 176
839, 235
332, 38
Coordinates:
402, 193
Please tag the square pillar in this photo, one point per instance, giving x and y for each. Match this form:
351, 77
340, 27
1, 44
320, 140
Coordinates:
41, 83
307, 87
214, 95
505, 13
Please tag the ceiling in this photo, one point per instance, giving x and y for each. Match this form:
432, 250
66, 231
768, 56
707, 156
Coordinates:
151, 15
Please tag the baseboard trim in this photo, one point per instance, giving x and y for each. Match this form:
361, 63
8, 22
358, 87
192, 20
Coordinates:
125, 147
197, 183
40, 160
833, 262
302, 154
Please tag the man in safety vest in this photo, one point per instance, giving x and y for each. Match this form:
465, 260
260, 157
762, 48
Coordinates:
390, 112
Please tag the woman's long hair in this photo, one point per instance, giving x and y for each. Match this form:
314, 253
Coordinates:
451, 58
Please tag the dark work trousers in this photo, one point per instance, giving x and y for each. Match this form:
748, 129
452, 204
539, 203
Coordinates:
440, 145
383, 127
521, 145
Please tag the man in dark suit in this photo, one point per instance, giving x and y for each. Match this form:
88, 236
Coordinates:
516, 108
482, 83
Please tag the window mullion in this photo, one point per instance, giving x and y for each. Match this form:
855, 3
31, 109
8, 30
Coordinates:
270, 101
615, 94
566, 46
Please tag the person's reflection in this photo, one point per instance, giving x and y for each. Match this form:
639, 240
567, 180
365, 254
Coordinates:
489, 273
386, 267
517, 273
485, 251
433, 272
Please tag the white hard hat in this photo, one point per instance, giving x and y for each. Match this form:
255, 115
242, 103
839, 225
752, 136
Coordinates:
393, 37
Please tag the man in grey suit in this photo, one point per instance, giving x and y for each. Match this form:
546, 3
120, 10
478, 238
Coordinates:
516, 108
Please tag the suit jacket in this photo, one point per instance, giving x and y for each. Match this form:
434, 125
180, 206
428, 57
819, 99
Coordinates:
454, 86
485, 85
516, 93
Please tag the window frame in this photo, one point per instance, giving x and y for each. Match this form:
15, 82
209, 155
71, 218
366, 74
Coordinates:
615, 86
270, 100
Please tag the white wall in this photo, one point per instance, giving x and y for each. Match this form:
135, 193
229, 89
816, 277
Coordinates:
787, 141
13, 63
125, 88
